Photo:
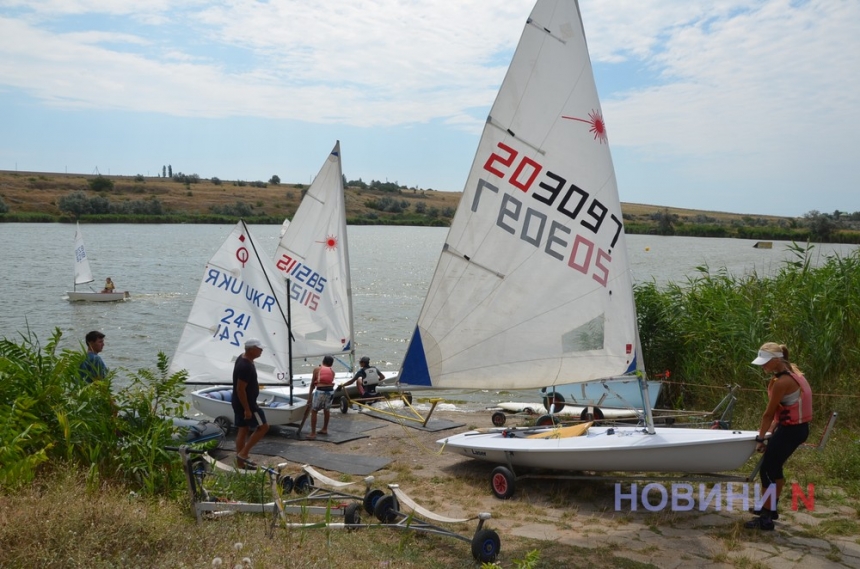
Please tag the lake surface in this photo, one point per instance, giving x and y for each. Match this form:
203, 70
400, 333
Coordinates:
162, 266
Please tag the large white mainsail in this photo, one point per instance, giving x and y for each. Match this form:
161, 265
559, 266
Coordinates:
532, 288
83, 273
314, 255
242, 295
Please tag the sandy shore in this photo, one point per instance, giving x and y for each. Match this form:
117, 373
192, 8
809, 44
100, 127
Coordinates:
574, 520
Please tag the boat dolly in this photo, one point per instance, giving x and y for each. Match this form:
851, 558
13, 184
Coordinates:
386, 508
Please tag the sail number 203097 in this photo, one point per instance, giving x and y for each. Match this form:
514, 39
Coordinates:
566, 198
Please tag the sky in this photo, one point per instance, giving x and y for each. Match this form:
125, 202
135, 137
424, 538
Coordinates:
743, 106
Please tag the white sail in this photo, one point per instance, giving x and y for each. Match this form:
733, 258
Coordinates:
242, 295
83, 274
314, 255
532, 288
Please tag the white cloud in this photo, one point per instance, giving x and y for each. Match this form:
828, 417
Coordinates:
363, 63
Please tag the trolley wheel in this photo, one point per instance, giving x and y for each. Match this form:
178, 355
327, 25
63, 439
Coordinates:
370, 499
486, 545
546, 421
352, 515
591, 414
499, 418
304, 483
344, 404
287, 484
386, 510
555, 398
528, 411
408, 397
502, 482
224, 424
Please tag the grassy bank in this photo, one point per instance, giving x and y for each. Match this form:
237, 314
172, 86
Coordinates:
44, 198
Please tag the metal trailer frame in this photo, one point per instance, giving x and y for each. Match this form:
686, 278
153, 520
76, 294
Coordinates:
485, 543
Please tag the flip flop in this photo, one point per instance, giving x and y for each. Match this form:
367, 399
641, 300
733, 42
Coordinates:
322, 433
311, 437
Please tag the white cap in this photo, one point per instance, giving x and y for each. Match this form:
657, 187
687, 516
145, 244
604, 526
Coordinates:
253, 343
764, 356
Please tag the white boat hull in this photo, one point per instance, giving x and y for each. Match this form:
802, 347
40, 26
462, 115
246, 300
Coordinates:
611, 449
302, 382
617, 392
277, 407
75, 296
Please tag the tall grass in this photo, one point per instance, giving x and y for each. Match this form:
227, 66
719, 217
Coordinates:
706, 331
48, 414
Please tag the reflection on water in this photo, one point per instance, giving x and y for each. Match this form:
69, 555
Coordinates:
162, 266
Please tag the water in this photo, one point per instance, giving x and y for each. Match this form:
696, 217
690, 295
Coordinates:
162, 266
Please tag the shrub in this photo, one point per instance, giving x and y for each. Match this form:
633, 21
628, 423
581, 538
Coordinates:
100, 184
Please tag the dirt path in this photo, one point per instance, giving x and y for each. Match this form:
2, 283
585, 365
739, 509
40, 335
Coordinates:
579, 517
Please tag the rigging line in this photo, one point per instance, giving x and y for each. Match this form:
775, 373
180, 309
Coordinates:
269, 282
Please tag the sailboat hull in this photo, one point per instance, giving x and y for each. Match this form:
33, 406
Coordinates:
74, 296
215, 402
611, 449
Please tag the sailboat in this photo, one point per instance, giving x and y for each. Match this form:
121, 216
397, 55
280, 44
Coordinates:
84, 275
242, 295
314, 254
533, 287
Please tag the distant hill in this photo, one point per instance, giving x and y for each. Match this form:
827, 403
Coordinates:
35, 196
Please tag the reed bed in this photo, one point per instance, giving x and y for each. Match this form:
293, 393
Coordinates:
706, 331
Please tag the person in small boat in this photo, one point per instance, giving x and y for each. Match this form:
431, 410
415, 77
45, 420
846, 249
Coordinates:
787, 416
247, 412
322, 390
109, 286
93, 368
367, 378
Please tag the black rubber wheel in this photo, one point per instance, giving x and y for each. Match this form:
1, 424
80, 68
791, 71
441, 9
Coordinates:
408, 397
545, 421
591, 414
224, 423
556, 398
370, 499
344, 405
528, 411
304, 483
352, 515
502, 482
499, 419
386, 509
287, 484
486, 545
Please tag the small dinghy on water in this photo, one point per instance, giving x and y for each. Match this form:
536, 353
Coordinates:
241, 296
84, 275
533, 288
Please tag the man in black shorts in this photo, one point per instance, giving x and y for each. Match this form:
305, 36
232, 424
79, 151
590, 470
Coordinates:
245, 391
